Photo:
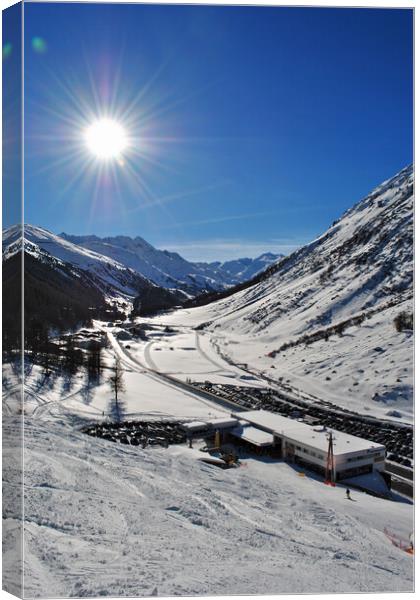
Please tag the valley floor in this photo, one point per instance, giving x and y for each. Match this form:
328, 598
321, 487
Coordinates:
358, 370
110, 519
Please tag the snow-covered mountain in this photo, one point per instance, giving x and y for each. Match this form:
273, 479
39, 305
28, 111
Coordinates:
74, 281
166, 269
243, 269
109, 275
324, 317
322, 321
99, 278
169, 269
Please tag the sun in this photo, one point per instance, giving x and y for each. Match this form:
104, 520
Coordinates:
106, 139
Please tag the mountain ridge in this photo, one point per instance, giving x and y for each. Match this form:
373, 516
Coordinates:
169, 269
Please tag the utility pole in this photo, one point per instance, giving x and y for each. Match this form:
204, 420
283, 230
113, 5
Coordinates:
329, 468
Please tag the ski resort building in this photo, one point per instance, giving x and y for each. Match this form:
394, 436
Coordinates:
307, 445
205, 427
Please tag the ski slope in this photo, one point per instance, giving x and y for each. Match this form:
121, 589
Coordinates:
107, 519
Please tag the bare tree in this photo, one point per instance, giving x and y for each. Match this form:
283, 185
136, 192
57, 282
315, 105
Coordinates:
116, 380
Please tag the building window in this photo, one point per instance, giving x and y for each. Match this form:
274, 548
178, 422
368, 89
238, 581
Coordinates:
354, 458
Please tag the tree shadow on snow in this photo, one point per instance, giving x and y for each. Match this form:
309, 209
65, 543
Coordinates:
45, 382
117, 410
68, 382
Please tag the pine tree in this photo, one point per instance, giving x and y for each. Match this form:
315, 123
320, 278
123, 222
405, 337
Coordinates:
71, 358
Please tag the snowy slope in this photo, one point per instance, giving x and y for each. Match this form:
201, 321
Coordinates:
105, 519
109, 519
325, 314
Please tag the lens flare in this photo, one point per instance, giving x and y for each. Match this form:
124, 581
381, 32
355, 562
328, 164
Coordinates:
39, 45
7, 50
106, 139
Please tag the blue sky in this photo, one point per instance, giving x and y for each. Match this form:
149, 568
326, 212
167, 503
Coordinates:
251, 129
11, 118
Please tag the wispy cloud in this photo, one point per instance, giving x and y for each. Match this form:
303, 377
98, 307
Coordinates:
161, 200
225, 219
227, 249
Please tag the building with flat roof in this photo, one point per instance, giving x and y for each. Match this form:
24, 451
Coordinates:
308, 445
206, 427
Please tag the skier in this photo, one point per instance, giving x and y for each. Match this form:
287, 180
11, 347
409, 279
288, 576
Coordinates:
348, 494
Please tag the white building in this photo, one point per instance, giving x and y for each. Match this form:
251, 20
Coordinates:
206, 427
307, 445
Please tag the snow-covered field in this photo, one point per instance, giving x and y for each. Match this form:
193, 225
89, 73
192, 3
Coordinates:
187, 354
348, 370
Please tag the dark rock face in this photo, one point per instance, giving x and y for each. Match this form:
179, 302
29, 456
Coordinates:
59, 297
155, 299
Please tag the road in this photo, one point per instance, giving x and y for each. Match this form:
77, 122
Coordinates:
202, 395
